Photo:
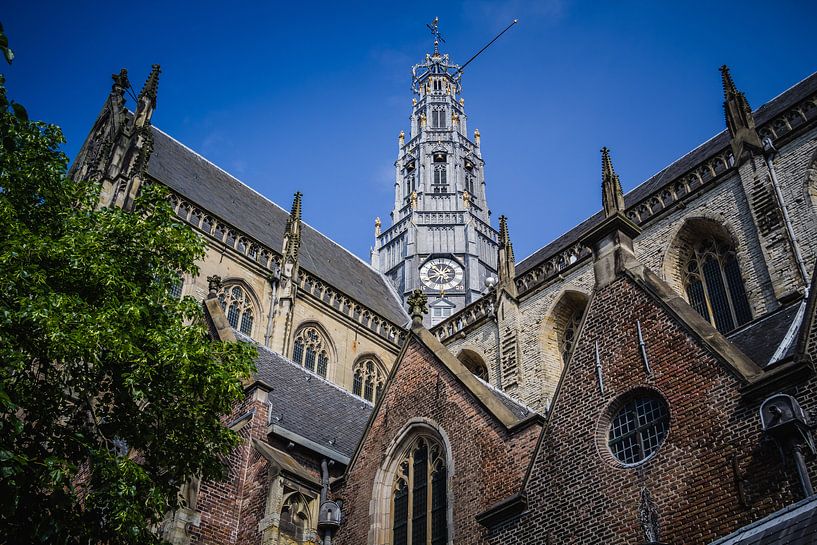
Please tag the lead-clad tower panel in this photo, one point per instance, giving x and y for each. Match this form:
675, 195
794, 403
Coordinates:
440, 239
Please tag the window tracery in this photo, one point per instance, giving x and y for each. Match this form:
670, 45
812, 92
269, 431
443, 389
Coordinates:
419, 495
368, 379
310, 350
237, 305
714, 286
568, 337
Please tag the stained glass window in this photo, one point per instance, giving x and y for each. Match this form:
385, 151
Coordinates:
568, 337
237, 304
714, 286
368, 379
419, 497
310, 350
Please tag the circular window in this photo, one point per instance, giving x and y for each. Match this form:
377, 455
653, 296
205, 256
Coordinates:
638, 428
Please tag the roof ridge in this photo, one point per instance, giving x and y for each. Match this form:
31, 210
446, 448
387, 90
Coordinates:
670, 164
783, 92
316, 271
209, 162
205, 159
303, 369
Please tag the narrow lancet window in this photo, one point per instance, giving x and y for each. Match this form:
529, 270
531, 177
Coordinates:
419, 496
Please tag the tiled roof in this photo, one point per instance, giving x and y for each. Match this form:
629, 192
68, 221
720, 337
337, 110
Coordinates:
310, 406
794, 525
763, 114
224, 196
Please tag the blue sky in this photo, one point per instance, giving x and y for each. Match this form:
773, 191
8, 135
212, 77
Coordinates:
311, 96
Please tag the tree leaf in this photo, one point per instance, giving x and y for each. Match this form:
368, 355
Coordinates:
19, 112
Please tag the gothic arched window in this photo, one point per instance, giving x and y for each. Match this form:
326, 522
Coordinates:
562, 325
568, 335
310, 349
176, 288
237, 305
714, 286
419, 499
440, 178
474, 363
368, 379
440, 181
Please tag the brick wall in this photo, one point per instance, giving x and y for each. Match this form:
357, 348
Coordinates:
230, 510
488, 461
579, 494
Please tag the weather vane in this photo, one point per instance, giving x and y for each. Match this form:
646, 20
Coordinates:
434, 27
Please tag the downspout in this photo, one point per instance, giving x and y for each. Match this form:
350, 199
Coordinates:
324, 480
769, 152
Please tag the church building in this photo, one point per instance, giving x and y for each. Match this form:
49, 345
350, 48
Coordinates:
646, 378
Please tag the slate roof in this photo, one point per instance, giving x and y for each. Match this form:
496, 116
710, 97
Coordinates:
195, 178
763, 114
759, 339
310, 406
794, 525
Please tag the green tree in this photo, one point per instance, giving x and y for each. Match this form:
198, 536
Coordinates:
111, 391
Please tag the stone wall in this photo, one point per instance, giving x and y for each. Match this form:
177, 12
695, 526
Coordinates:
349, 338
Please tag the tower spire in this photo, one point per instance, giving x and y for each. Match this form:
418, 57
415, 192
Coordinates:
739, 119
612, 197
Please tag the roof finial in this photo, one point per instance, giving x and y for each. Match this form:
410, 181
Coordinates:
505, 236
120, 83
146, 101
729, 89
213, 285
739, 119
295, 211
612, 197
434, 27
151, 87
292, 236
418, 306
506, 262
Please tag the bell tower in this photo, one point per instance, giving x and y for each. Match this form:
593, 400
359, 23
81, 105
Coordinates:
440, 239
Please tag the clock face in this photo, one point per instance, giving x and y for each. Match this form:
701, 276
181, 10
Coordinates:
441, 274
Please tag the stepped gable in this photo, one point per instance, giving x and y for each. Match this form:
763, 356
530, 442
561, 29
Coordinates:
683, 165
225, 197
310, 406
